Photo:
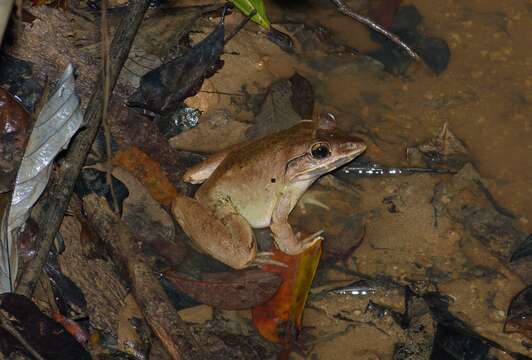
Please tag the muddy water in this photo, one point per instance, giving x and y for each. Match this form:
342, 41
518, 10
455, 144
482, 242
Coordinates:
485, 94
485, 97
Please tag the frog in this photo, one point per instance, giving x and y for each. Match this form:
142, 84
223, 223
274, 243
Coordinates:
255, 185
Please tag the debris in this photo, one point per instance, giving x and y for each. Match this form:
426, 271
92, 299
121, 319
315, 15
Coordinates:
47, 337
163, 89
288, 102
15, 123
434, 51
231, 290
154, 303
520, 314
61, 189
197, 314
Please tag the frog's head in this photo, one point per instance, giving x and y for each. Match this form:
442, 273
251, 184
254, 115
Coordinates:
327, 149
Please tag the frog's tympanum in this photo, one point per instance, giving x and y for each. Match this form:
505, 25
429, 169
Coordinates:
256, 184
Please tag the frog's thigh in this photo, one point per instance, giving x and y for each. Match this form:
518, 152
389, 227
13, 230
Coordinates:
228, 239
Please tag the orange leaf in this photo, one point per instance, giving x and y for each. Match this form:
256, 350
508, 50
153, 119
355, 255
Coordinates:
71, 327
279, 319
148, 172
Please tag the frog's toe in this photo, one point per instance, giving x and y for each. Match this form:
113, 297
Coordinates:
312, 239
264, 258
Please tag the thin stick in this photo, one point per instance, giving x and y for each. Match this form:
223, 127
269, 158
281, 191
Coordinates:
156, 306
106, 94
240, 26
346, 10
51, 207
6, 324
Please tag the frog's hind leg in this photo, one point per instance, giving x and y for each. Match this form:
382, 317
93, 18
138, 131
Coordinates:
228, 239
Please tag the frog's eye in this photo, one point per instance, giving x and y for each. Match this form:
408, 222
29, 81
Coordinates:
320, 150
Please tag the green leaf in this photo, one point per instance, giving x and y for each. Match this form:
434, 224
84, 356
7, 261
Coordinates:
247, 6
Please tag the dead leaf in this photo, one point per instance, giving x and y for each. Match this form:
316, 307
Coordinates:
163, 89
288, 102
216, 131
14, 123
229, 290
279, 319
132, 129
59, 119
150, 223
520, 314
332, 209
148, 172
71, 327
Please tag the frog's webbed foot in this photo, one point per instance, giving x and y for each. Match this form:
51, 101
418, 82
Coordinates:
290, 243
310, 240
264, 258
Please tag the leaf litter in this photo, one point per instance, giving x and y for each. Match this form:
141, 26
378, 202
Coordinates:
256, 93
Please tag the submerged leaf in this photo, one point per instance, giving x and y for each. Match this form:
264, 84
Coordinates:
229, 290
288, 101
58, 121
279, 319
247, 7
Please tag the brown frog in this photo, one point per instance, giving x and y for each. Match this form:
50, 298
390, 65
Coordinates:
256, 184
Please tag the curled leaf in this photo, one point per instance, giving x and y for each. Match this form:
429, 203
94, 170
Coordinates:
58, 121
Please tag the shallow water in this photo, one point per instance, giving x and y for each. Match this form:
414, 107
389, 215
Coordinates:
485, 94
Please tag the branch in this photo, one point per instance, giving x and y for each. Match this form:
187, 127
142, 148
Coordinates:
149, 293
51, 208
346, 10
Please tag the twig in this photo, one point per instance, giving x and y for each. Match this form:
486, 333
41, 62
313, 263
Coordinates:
150, 295
346, 10
6, 324
240, 26
106, 95
51, 207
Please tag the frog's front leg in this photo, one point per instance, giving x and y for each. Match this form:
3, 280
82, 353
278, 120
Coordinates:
285, 238
198, 173
225, 236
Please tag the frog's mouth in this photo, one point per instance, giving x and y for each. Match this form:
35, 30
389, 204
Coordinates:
305, 167
323, 169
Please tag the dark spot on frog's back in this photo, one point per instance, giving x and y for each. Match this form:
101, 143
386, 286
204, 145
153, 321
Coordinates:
273, 180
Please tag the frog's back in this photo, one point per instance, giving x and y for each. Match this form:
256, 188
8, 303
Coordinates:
251, 179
